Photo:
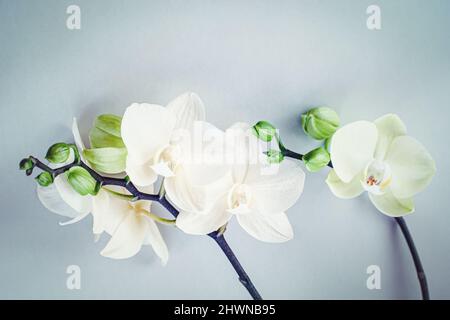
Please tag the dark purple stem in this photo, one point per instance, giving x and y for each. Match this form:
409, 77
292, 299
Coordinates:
162, 200
415, 255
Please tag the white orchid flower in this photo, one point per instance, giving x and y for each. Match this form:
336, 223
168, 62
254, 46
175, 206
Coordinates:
123, 220
259, 201
379, 158
149, 132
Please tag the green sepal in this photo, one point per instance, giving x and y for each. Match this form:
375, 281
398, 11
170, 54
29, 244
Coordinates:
107, 160
102, 139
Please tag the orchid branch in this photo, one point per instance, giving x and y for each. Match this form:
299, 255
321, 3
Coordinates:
217, 236
403, 227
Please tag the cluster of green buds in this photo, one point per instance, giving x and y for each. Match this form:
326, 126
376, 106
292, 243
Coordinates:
78, 177
319, 123
266, 132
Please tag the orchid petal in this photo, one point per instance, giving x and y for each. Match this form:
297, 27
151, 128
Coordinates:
140, 174
109, 211
74, 220
145, 128
344, 190
267, 228
245, 148
128, 238
200, 224
412, 166
389, 127
392, 206
162, 169
352, 147
187, 108
101, 211
157, 242
198, 195
276, 192
77, 137
51, 199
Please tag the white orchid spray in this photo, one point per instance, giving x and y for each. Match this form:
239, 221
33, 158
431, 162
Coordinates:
378, 157
207, 176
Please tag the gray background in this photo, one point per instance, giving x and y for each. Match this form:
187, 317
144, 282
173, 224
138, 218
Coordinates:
248, 60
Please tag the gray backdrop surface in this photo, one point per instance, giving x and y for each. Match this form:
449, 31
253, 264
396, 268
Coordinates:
248, 60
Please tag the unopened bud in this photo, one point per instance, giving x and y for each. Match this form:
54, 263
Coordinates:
320, 123
316, 159
58, 153
44, 179
264, 131
82, 181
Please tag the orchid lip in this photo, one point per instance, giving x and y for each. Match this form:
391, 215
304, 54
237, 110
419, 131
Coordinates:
239, 199
377, 177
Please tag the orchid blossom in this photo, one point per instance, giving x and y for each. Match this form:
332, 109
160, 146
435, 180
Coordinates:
379, 157
241, 188
149, 132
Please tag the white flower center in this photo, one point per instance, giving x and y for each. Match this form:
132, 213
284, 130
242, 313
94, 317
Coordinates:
239, 198
377, 176
170, 155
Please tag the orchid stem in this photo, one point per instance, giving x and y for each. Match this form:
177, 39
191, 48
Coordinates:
162, 200
415, 256
243, 277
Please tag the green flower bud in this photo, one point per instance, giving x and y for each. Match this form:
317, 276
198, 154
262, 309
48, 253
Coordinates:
82, 181
320, 123
264, 131
316, 159
107, 160
106, 132
58, 153
274, 156
44, 179
26, 164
